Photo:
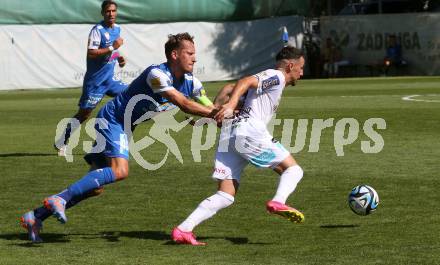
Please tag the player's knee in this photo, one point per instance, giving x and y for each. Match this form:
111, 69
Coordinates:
287, 163
120, 173
228, 186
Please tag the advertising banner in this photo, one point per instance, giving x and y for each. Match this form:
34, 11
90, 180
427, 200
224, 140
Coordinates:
363, 38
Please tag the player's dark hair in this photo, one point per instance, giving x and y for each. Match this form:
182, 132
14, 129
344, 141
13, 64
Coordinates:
289, 53
107, 3
174, 42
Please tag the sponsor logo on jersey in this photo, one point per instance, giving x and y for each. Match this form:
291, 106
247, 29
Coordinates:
270, 82
165, 107
155, 82
245, 110
93, 100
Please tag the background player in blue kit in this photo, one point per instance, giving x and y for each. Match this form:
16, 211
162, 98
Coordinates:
167, 86
102, 54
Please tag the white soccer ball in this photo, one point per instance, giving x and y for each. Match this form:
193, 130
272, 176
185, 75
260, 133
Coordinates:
363, 200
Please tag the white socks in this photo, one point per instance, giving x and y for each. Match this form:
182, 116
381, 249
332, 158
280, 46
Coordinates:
210, 206
206, 210
288, 181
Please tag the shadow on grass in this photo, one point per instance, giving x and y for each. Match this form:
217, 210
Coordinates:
111, 236
235, 240
48, 238
26, 154
114, 236
338, 226
33, 154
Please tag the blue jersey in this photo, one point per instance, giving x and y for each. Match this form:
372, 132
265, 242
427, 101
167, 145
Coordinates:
101, 68
148, 86
154, 80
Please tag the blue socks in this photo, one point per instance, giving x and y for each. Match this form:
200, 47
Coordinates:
93, 180
81, 189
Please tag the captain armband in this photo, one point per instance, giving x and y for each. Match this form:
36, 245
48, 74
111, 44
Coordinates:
204, 100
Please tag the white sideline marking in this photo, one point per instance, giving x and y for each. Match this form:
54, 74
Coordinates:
412, 98
341, 96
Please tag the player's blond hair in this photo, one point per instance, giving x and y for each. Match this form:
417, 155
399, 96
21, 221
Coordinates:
174, 42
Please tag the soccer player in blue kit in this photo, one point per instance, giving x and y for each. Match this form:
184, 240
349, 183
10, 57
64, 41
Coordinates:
160, 87
102, 54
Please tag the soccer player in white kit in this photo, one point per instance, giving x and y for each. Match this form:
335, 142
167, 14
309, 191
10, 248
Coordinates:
246, 140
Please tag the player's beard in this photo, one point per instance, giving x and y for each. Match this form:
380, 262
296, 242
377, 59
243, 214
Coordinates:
293, 82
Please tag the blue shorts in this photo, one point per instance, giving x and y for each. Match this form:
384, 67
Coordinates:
111, 140
93, 93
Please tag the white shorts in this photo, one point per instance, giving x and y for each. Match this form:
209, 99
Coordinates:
256, 148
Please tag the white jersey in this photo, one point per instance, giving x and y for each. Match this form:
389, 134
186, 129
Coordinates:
261, 103
259, 106
247, 140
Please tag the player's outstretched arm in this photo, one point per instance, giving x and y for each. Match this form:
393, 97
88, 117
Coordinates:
188, 106
224, 94
239, 89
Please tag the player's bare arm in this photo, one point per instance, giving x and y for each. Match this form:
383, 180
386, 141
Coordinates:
239, 89
188, 106
223, 97
224, 94
95, 53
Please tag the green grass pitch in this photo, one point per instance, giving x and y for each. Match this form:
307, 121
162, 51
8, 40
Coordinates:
130, 223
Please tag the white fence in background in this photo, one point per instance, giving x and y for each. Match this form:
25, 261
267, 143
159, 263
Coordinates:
54, 56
